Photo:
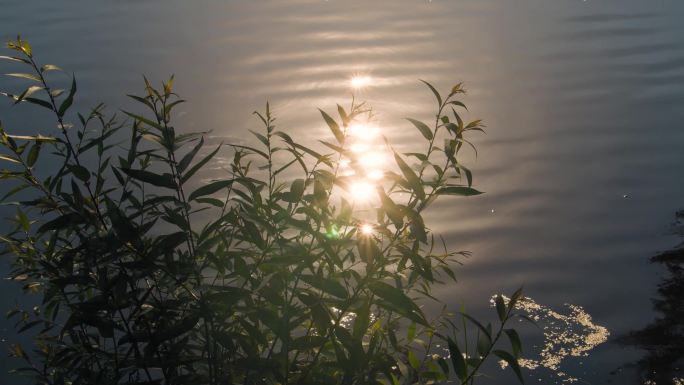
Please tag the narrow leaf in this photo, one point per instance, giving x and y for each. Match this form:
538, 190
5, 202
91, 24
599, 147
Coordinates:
434, 91
512, 361
458, 190
164, 180
422, 127
33, 77
411, 177
334, 127
69, 99
210, 188
199, 165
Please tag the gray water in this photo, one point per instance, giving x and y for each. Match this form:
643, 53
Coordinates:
582, 159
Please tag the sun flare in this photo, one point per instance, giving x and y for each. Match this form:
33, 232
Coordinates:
360, 81
366, 229
362, 191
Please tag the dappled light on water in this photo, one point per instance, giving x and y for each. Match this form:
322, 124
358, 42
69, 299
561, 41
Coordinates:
565, 335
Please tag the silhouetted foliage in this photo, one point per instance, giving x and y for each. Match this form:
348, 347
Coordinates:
261, 276
663, 339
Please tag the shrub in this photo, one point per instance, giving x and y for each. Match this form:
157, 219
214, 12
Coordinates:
266, 275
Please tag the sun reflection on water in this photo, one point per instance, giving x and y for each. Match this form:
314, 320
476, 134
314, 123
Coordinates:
367, 154
367, 163
360, 81
362, 191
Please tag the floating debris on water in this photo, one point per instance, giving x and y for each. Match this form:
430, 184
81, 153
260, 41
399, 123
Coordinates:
565, 335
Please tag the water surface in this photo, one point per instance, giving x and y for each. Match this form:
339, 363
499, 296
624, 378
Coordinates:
581, 162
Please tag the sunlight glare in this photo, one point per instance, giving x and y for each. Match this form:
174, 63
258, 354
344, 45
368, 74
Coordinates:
363, 131
359, 147
359, 81
366, 229
361, 191
376, 174
372, 160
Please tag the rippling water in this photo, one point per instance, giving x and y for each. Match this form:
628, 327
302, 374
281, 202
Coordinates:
583, 102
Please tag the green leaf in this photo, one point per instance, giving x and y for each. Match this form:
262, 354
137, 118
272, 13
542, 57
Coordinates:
49, 67
362, 320
396, 297
28, 92
15, 190
469, 175
478, 324
211, 201
9, 159
16, 59
38, 138
320, 192
79, 171
516, 344
333, 147
457, 103
328, 285
177, 329
514, 299
411, 177
307, 342
61, 222
411, 332
144, 120
33, 77
500, 308
417, 225
391, 209
484, 343
187, 159
297, 189
23, 220
33, 154
164, 180
413, 360
334, 127
171, 241
39, 102
457, 359
422, 127
512, 361
458, 190
210, 188
343, 115
199, 165
434, 91
69, 99
124, 228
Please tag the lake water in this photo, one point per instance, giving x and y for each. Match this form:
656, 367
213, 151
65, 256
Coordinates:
583, 101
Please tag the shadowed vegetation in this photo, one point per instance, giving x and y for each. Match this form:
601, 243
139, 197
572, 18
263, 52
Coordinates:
268, 274
663, 339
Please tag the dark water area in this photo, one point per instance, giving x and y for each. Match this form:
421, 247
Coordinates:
583, 101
